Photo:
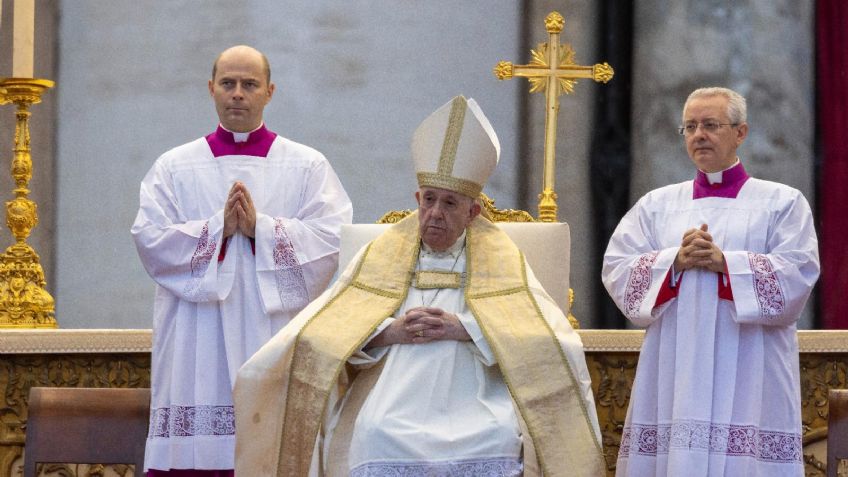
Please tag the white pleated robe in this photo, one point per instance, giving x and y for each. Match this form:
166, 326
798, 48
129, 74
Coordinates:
717, 388
210, 316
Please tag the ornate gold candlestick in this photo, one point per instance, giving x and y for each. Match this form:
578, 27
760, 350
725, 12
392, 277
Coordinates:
24, 301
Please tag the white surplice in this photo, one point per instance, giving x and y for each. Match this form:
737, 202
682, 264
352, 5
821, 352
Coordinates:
210, 316
717, 388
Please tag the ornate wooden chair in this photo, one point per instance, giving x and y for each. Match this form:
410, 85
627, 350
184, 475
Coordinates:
86, 425
546, 245
837, 433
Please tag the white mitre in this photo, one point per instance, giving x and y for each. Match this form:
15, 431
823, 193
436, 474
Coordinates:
456, 148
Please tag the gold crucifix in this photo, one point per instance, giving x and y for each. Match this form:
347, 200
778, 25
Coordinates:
554, 72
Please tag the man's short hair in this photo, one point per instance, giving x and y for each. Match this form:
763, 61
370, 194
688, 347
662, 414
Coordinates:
266, 66
737, 109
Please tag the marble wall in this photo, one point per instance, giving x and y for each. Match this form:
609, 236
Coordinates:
354, 79
763, 49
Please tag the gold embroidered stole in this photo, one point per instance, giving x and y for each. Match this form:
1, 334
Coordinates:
531, 360
377, 289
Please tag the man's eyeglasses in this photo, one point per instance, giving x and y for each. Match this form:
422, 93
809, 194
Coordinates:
689, 129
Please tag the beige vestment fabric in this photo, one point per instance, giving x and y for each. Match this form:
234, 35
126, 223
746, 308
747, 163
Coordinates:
283, 393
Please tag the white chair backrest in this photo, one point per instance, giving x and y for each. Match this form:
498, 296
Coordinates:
545, 245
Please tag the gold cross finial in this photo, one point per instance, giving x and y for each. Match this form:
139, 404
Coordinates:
552, 70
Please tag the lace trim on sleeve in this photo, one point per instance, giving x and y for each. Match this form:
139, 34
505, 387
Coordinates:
200, 261
766, 285
638, 284
290, 282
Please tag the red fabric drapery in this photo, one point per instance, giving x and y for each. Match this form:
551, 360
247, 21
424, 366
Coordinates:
832, 78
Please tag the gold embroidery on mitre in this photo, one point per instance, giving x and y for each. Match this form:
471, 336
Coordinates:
439, 181
429, 279
452, 135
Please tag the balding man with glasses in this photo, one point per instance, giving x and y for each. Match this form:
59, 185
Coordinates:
718, 270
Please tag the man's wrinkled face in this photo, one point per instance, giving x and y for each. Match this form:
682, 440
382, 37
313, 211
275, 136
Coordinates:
712, 151
443, 215
240, 89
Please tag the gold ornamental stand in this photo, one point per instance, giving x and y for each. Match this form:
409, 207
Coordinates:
24, 300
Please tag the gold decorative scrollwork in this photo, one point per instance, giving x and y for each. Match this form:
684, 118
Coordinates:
24, 300
547, 206
602, 72
815, 446
84, 470
394, 216
20, 372
21, 217
503, 70
554, 22
489, 211
612, 376
819, 374
571, 318
540, 56
502, 215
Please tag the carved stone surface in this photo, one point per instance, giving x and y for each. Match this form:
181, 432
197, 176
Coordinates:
20, 372
84, 470
612, 376
121, 358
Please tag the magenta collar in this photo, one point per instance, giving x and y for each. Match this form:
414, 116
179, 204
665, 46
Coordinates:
222, 143
732, 181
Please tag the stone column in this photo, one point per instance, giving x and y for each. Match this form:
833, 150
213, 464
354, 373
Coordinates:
763, 49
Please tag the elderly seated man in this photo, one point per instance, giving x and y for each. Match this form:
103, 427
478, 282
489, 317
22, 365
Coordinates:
435, 353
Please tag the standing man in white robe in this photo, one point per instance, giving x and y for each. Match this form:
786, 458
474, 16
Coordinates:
718, 269
240, 231
436, 353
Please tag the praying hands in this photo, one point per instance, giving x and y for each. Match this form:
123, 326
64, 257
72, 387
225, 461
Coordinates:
698, 250
421, 325
239, 212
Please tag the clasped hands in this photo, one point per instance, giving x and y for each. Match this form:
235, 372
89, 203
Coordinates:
239, 212
698, 250
421, 325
